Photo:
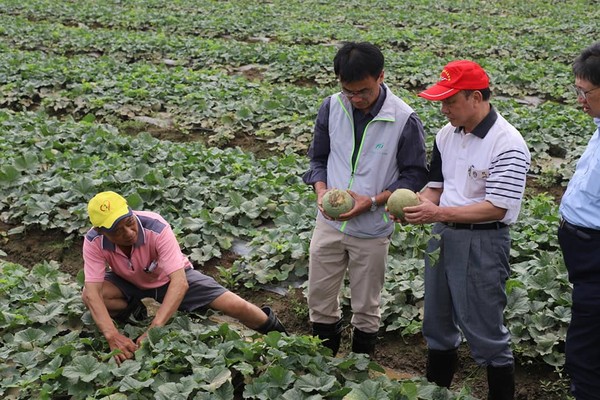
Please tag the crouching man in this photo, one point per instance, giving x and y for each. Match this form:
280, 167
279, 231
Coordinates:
145, 260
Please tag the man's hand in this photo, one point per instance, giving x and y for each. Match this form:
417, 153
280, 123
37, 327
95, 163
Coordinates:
362, 204
118, 341
140, 339
424, 213
399, 220
93, 297
320, 190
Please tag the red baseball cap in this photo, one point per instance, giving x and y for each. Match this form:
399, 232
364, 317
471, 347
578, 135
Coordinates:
456, 76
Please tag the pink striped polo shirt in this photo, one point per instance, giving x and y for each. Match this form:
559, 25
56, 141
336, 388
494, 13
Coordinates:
154, 256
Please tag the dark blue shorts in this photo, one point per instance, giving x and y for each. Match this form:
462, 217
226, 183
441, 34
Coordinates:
202, 290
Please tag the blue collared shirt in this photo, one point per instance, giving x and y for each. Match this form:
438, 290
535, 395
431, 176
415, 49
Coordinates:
580, 205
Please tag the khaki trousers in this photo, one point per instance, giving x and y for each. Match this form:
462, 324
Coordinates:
332, 254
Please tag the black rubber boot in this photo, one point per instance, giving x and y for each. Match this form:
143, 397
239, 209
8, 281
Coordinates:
363, 342
501, 382
441, 366
330, 334
273, 323
135, 309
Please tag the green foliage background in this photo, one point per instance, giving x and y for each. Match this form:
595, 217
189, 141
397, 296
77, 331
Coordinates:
83, 85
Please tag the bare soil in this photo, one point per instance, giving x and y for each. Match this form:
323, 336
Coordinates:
403, 357
246, 141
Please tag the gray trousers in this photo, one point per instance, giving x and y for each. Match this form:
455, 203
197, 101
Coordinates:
465, 292
202, 290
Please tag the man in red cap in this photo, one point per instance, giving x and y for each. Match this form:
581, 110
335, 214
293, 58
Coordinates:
476, 184
144, 260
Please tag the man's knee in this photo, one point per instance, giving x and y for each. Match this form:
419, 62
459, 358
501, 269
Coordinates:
112, 297
107, 295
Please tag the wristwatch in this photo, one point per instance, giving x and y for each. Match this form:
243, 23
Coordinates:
373, 203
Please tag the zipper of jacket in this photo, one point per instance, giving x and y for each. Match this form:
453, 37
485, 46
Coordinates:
362, 141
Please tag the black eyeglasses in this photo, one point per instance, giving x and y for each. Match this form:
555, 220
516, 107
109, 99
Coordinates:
361, 93
582, 93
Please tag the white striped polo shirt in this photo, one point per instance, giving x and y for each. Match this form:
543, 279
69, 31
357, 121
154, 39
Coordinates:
489, 163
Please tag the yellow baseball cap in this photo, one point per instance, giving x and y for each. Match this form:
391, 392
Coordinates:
106, 209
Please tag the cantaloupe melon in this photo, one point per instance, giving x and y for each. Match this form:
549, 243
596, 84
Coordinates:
337, 202
399, 199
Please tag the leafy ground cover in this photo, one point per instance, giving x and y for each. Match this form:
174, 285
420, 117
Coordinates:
50, 351
259, 200
403, 357
203, 68
90, 91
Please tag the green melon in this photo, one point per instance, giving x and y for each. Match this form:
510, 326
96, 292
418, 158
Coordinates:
337, 202
399, 199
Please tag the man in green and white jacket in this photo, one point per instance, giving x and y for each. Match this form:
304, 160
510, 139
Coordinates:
370, 142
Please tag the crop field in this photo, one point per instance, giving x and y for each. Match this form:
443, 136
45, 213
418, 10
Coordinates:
203, 111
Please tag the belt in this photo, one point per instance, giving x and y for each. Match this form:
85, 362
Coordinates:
476, 227
579, 231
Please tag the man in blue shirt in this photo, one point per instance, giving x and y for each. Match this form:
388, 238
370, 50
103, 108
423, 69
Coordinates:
579, 237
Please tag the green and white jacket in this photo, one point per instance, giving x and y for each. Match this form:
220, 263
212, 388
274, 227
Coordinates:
375, 168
